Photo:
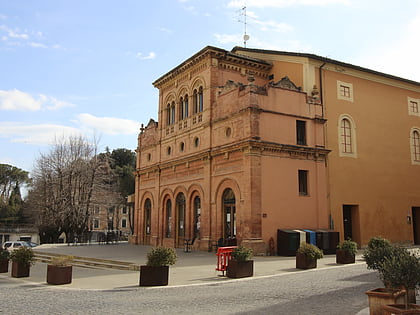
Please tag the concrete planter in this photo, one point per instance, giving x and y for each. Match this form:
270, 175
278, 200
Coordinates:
4, 265
20, 270
154, 276
240, 269
305, 262
400, 309
344, 257
59, 274
383, 296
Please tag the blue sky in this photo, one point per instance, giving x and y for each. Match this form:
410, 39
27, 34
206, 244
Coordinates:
87, 66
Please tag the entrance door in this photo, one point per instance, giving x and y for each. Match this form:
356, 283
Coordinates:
416, 225
347, 222
147, 222
229, 210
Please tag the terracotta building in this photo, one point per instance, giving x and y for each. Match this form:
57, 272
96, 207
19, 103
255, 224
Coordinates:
251, 141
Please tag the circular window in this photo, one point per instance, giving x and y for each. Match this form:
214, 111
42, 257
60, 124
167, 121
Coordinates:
182, 146
228, 132
169, 150
196, 141
149, 156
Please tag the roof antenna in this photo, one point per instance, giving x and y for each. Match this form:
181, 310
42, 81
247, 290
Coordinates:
246, 36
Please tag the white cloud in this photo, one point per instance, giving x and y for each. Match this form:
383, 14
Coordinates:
151, 55
37, 45
229, 38
42, 134
21, 101
165, 30
108, 125
283, 3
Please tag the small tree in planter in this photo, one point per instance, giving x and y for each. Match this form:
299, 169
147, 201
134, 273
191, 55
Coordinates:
346, 252
307, 256
22, 259
156, 270
4, 260
60, 270
240, 265
375, 255
402, 269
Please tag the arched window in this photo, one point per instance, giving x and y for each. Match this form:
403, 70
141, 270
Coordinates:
147, 216
184, 107
415, 146
168, 218
347, 136
229, 210
346, 141
180, 204
168, 114
197, 216
200, 99
173, 113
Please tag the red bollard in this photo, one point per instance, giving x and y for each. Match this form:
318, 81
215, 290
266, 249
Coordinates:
223, 256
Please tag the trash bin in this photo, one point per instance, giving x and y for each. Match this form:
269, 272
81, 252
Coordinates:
310, 237
322, 240
333, 240
287, 242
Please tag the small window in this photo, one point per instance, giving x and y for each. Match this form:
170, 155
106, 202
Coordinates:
415, 146
347, 136
149, 157
96, 211
301, 132
168, 150
124, 210
303, 182
345, 91
182, 146
196, 142
124, 223
413, 106
96, 224
228, 132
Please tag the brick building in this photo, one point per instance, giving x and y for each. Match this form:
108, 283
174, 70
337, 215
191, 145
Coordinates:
251, 141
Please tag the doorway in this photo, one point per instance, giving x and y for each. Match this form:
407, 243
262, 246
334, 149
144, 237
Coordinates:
351, 228
180, 220
229, 214
147, 222
416, 224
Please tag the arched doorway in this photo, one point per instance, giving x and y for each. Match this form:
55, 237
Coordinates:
147, 221
180, 219
229, 214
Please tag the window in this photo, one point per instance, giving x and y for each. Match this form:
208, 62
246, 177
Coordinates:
345, 91
96, 224
303, 182
173, 113
147, 216
124, 210
301, 132
415, 146
198, 100
124, 223
168, 150
96, 211
346, 137
197, 216
183, 106
170, 114
196, 142
168, 218
413, 106
182, 146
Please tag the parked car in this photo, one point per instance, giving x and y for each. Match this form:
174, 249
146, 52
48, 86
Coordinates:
11, 245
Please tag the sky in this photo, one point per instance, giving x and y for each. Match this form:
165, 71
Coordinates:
70, 67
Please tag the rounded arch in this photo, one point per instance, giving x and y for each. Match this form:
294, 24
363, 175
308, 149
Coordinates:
197, 82
195, 189
346, 131
171, 97
182, 92
228, 183
415, 145
146, 195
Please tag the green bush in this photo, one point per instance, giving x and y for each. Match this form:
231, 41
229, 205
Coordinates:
241, 253
62, 261
310, 250
349, 246
378, 248
161, 256
23, 255
4, 254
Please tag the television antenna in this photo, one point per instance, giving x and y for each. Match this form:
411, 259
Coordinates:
246, 36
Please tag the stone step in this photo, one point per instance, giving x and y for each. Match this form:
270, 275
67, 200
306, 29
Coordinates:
88, 262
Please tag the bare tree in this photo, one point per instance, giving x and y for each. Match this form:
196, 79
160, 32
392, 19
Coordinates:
64, 180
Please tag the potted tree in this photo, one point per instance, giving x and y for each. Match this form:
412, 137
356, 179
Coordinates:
22, 259
156, 270
240, 265
346, 252
4, 260
377, 251
401, 270
307, 256
60, 270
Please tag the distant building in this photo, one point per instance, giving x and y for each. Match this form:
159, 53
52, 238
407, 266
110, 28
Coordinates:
251, 141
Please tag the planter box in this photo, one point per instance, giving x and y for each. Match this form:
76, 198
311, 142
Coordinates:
20, 270
59, 274
304, 262
240, 269
344, 257
4, 266
154, 276
383, 296
400, 309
